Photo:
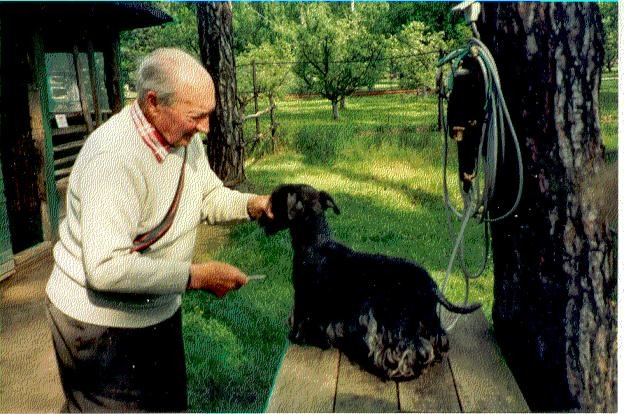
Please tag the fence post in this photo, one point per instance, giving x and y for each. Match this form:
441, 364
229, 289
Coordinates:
273, 123
255, 95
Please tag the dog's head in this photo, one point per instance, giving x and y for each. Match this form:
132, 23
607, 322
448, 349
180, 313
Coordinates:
291, 203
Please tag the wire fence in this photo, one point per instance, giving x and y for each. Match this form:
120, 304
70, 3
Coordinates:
390, 84
384, 58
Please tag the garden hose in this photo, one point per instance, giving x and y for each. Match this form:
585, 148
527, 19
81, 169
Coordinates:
476, 201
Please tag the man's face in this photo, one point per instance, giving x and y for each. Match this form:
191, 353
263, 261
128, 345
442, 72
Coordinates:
187, 115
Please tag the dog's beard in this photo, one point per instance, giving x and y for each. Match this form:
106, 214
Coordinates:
270, 227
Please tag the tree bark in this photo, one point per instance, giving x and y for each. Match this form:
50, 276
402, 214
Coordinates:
554, 309
225, 139
335, 113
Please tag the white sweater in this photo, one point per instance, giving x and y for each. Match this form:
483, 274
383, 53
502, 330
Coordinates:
117, 190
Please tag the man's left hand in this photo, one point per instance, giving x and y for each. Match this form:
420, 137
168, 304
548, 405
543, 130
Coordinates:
259, 205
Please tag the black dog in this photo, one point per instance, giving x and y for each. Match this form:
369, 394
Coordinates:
379, 310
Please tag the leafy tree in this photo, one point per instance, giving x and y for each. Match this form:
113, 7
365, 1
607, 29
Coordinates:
273, 76
418, 55
375, 17
181, 33
255, 23
250, 25
436, 15
609, 14
336, 56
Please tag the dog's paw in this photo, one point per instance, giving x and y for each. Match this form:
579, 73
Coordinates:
296, 337
425, 351
306, 334
441, 343
297, 332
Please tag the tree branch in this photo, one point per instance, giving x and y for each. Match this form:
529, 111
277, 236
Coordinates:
259, 113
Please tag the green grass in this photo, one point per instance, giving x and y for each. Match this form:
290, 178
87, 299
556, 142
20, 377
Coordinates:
608, 115
382, 164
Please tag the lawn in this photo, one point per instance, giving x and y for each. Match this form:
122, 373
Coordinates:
608, 114
382, 163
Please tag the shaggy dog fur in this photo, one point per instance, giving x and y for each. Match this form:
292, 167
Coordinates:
379, 310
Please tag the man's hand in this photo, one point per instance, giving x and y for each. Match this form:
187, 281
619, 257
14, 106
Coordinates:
258, 205
217, 277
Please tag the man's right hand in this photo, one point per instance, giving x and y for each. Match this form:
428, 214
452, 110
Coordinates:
217, 277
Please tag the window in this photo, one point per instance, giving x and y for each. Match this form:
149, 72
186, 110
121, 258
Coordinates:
64, 94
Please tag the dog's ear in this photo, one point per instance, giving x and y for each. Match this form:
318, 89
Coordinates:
294, 205
327, 202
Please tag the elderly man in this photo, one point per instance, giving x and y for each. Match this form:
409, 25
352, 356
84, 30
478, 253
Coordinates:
138, 190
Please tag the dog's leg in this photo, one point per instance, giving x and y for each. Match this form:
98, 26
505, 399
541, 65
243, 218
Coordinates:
306, 329
297, 319
432, 328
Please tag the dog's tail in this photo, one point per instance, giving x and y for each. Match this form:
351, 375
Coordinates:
456, 308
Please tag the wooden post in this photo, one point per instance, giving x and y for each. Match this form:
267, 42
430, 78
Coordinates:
273, 122
255, 95
50, 196
7, 264
112, 74
82, 90
95, 84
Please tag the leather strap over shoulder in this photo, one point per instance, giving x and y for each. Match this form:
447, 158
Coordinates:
145, 240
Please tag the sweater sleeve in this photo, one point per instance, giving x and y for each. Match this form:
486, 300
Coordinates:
219, 203
111, 194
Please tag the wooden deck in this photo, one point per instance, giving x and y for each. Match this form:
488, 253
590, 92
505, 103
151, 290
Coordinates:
472, 378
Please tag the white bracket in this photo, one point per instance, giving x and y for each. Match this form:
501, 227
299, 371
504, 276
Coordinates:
471, 10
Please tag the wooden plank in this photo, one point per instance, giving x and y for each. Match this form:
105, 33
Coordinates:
33, 256
69, 145
360, 391
483, 380
73, 129
306, 381
95, 83
7, 269
433, 391
65, 160
63, 172
82, 89
69, 115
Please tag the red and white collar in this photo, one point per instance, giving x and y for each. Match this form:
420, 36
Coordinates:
152, 138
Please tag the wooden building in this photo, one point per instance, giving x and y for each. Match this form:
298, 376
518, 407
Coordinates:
59, 79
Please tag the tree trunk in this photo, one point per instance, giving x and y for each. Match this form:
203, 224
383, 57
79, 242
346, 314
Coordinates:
554, 309
225, 139
335, 114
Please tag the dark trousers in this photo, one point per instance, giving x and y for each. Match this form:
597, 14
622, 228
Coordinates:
120, 369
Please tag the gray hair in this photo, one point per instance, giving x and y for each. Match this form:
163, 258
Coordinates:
161, 70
